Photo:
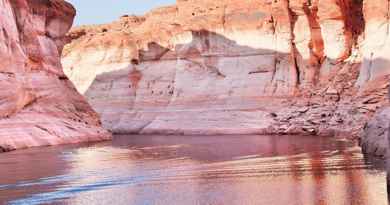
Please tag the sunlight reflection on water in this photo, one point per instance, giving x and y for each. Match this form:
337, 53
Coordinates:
194, 170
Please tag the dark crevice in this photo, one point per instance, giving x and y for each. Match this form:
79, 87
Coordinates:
294, 51
354, 18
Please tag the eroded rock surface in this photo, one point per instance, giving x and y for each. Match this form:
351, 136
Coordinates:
375, 134
234, 67
38, 104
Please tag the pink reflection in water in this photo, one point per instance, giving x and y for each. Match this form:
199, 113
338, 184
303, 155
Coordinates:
195, 170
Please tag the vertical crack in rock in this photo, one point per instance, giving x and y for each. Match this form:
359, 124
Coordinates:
293, 19
283, 24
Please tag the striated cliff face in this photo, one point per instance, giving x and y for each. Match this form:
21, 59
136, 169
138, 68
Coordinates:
234, 67
38, 104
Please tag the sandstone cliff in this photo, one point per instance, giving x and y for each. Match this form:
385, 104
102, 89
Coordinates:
236, 67
38, 104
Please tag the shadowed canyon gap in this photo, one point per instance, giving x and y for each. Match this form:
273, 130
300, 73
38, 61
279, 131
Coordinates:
38, 104
239, 67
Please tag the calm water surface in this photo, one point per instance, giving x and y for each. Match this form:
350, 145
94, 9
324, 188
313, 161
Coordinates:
194, 170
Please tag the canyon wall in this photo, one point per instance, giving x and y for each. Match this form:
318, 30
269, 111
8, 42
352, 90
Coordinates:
38, 104
234, 67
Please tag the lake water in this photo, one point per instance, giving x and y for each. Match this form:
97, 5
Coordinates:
181, 170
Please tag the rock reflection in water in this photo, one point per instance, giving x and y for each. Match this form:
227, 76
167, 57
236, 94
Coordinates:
203, 170
388, 184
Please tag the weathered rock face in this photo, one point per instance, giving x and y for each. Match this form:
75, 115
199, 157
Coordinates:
38, 104
374, 137
228, 66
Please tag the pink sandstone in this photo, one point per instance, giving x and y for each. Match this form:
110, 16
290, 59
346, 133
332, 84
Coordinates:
39, 106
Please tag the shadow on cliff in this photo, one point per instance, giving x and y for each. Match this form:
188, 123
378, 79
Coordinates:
204, 50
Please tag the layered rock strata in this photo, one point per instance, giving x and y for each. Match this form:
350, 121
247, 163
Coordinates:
234, 67
38, 104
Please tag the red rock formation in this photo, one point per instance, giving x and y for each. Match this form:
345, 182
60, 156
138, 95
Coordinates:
228, 66
38, 104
